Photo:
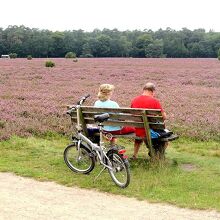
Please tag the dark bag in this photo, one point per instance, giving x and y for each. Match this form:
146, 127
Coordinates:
94, 135
165, 133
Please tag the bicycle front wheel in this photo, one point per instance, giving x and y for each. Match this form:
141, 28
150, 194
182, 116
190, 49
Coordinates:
120, 172
80, 161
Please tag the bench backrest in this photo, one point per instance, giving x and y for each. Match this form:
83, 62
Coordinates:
142, 118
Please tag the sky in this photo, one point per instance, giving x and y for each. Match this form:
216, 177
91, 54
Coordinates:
60, 15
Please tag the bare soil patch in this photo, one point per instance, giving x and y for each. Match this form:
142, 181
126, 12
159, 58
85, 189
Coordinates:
189, 167
25, 198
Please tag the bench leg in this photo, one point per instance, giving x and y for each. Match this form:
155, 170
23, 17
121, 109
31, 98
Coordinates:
158, 151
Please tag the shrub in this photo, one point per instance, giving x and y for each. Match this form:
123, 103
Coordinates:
88, 55
70, 55
13, 55
219, 54
49, 64
29, 57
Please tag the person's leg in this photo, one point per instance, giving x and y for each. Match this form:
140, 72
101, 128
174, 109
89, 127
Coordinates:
137, 144
109, 136
113, 141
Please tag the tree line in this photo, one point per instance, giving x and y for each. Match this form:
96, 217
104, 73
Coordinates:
25, 41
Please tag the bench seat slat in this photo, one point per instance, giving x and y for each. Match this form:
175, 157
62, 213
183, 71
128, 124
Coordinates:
114, 123
124, 123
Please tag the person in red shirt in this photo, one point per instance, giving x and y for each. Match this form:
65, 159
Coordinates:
146, 100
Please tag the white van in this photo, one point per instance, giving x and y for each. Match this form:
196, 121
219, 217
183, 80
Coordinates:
5, 56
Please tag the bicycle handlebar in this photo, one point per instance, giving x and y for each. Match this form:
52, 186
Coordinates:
79, 103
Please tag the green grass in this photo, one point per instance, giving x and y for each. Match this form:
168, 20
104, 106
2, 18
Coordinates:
195, 186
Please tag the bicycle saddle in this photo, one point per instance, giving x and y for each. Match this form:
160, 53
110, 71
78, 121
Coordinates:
101, 118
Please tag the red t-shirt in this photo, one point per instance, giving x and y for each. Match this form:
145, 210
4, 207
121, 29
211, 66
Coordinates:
144, 101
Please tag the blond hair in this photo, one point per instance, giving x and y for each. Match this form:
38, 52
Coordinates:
105, 91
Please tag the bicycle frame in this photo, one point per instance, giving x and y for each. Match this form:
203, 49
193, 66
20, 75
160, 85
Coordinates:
81, 155
93, 147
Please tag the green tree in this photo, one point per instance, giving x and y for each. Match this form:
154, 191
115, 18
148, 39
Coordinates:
2, 42
41, 44
175, 48
155, 49
109, 43
125, 46
101, 46
194, 49
141, 45
86, 50
58, 44
79, 40
14, 39
202, 49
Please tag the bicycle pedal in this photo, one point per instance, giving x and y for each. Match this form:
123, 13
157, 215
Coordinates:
93, 155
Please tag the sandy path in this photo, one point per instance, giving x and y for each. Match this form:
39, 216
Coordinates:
24, 198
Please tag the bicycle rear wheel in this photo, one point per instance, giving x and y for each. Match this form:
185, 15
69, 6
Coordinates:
120, 172
80, 161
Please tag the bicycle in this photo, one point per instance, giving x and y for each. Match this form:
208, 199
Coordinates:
81, 155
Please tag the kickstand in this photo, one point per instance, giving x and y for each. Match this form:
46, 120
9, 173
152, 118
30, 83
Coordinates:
99, 174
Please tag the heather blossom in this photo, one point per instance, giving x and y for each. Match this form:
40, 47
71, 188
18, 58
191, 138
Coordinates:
33, 98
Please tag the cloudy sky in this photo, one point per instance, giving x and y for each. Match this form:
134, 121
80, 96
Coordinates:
121, 14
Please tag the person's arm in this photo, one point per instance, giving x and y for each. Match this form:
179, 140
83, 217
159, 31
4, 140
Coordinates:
164, 115
158, 105
96, 104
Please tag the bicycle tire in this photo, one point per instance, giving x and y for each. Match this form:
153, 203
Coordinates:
85, 164
121, 172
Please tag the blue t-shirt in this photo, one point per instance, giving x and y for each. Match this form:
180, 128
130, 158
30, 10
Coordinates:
108, 104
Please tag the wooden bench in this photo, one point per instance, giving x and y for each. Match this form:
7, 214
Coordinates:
141, 118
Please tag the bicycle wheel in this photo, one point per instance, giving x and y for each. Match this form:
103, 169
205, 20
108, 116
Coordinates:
80, 161
120, 172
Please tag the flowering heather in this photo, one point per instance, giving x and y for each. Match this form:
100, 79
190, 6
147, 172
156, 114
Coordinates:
33, 98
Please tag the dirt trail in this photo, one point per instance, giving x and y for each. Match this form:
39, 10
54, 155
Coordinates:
24, 198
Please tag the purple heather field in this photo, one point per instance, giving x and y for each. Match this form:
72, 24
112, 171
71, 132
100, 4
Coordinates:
33, 98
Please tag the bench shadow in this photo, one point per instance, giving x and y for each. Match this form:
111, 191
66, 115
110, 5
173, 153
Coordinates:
148, 163
139, 162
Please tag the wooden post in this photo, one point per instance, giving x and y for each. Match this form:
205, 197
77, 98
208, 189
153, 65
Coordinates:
148, 135
82, 122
